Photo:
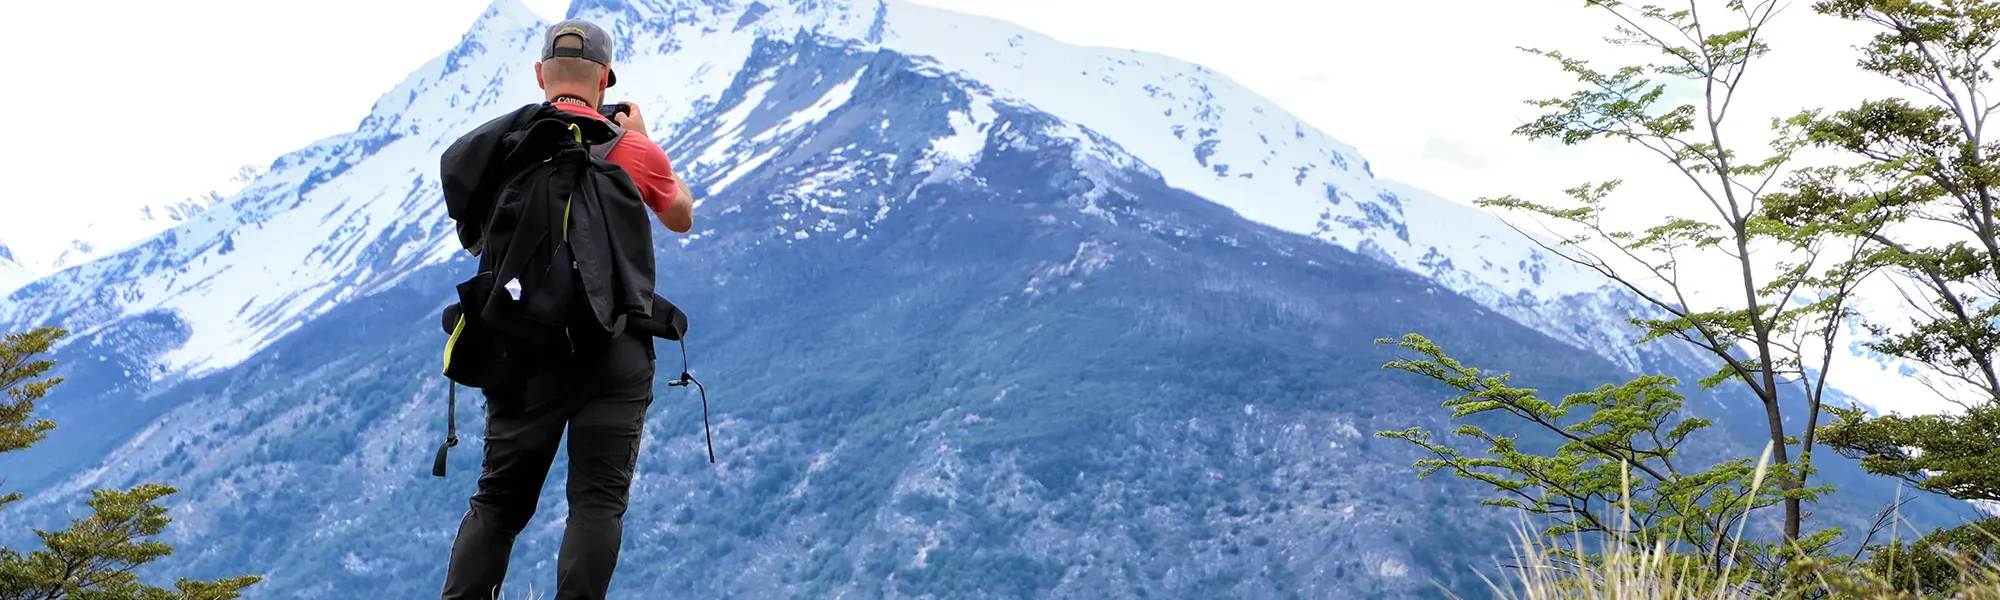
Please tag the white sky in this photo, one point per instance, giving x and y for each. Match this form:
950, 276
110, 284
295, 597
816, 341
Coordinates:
165, 100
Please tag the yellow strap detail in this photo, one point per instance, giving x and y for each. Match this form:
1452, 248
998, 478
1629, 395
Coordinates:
448, 344
576, 132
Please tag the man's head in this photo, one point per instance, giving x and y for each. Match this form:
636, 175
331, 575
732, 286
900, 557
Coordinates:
576, 60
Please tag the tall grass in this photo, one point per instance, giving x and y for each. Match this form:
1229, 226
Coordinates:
1637, 569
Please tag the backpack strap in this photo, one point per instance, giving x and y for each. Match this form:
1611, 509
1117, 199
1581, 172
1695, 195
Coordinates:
451, 428
603, 151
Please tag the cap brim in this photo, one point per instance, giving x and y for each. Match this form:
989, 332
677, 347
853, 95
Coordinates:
612, 78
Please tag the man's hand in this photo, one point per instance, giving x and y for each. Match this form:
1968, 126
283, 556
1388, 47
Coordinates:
631, 120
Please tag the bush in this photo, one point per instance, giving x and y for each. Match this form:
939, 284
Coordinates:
95, 558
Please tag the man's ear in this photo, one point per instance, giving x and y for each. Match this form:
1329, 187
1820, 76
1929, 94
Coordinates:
538, 77
604, 79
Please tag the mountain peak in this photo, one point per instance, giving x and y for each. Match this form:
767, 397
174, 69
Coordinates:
642, 8
580, 7
510, 10
13, 274
508, 22
353, 213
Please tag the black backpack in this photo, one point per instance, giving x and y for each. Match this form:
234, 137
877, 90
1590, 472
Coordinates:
527, 301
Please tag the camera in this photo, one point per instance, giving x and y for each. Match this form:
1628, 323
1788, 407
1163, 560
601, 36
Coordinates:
611, 111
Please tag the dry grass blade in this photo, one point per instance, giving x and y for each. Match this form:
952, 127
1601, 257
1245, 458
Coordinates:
1631, 568
1639, 569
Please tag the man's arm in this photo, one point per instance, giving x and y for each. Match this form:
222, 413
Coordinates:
666, 194
679, 216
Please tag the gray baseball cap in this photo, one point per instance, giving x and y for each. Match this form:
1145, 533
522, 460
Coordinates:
596, 43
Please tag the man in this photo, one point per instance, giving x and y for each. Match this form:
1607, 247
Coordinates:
574, 72
600, 397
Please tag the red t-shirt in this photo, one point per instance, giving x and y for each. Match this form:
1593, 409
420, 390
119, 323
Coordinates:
642, 159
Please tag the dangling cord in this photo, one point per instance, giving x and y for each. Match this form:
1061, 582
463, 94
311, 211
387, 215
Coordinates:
687, 378
451, 430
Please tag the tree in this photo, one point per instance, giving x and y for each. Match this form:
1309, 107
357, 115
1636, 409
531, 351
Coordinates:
95, 557
1773, 331
1618, 452
1924, 195
1779, 335
1923, 198
1915, 210
1920, 194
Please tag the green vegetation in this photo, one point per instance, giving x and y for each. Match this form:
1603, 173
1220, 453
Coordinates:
95, 557
1655, 572
1916, 203
1620, 445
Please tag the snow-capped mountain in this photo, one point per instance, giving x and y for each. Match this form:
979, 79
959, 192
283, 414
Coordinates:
120, 229
12, 274
974, 326
353, 213
181, 211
